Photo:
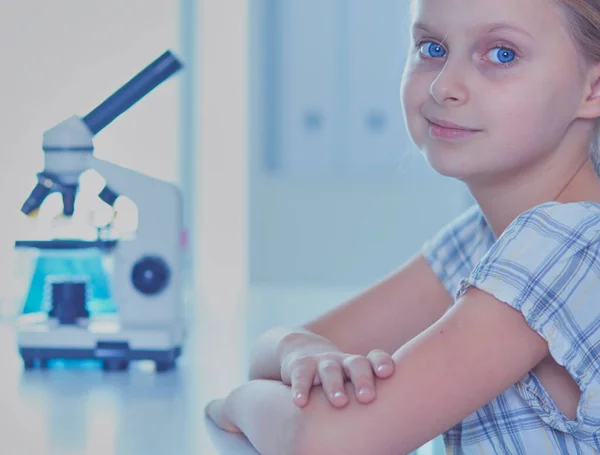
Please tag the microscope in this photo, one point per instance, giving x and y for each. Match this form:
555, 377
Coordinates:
146, 280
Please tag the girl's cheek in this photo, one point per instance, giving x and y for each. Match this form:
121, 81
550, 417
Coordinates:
421, 64
497, 73
418, 79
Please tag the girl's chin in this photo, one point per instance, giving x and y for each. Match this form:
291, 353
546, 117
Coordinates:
449, 166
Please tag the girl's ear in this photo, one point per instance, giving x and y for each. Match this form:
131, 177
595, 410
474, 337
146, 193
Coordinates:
590, 108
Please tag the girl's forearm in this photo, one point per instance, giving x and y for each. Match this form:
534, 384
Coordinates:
264, 412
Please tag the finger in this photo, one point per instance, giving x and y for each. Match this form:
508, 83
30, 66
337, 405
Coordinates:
382, 363
302, 377
360, 372
215, 410
332, 379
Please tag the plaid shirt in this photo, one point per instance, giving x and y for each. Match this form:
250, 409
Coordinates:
546, 265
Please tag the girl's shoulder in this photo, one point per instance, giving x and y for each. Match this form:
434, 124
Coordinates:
568, 214
553, 223
534, 236
548, 232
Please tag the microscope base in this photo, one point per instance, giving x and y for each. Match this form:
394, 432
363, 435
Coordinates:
42, 340
164, 360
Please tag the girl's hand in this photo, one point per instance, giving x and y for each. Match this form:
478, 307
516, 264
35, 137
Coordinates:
215, 410
331, 370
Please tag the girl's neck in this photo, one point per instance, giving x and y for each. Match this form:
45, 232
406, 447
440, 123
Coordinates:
501, 205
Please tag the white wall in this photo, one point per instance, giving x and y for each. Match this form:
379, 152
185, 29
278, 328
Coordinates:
347, 207
222, 168
62, 58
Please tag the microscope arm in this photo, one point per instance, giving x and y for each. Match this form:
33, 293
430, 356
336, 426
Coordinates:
158, 202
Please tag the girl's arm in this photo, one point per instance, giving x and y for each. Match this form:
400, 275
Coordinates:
385, 316
471, 355
389, 314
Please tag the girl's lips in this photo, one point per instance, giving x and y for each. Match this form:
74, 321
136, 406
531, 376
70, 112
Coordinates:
442, 129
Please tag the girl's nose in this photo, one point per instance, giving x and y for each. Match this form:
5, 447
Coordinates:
449, 87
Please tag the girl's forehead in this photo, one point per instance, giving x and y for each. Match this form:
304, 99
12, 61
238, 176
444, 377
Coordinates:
524, 14
534, 19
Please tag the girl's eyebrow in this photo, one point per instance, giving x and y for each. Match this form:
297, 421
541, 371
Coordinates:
493, 27
487, 28
421, 26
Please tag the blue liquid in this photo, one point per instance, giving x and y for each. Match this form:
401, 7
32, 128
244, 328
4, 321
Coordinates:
91, 266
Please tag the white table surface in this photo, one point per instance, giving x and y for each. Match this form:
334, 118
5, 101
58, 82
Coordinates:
74, 411
64, 411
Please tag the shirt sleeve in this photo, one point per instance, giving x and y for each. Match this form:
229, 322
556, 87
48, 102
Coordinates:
455, 250
547, 266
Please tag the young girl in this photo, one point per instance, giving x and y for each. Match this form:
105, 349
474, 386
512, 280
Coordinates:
494, 328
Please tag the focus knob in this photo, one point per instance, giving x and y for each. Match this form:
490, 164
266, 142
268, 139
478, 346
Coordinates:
150, 275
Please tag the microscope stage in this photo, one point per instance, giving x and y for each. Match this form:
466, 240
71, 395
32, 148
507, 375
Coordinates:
42, 339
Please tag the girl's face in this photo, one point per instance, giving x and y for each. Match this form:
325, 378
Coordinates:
506, 72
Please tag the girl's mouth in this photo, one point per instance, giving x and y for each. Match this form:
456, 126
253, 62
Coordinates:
441, 129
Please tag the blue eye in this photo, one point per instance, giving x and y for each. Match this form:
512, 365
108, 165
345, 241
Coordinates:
502, 55
431, 49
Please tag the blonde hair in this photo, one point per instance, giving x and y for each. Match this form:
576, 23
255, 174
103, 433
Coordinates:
583, 22
583, 18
